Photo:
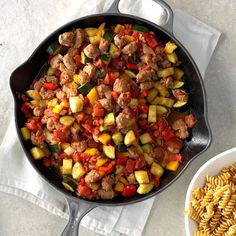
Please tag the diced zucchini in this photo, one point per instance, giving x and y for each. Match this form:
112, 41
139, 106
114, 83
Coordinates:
114, 51
109, 151
85, 59
53, 48
152, 94
91, 31
145, 188
118, 28
178, 74
25, 133
117, 138
129, 39
129, 138
152, 113
172, 165
108, 35
172, 57
85, 88
145, 138
130, 73
37, 103
147, 148
168, 102
104, 138
67, 166
161, 110
106, 59
69, 150
78, 171
101, 73
177, 84
67, 120
101, 162
69, 184
133, 103
148, 158
119, 187
141, 176
51, 71
164, 92
91, 151
33, 94
54, 147
170, 47
37, 153
179, 104
93, 96
76, 103
95, 39
140, 28
121, 147
109, 119
102, 128
156, 169
165, 72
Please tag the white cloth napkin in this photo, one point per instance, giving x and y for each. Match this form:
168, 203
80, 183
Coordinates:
19, 178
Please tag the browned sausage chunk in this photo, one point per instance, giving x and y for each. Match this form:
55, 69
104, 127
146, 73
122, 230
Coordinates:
103, 46
146, 85
121, 86
180, 95
167, 82
124, 99
79, 37
46, 94
107, 182
91, 51
69, 62
67, 39
190, 121
79, 146
92, 177
104, 91
65, 77
133, 152
181, 129
119, 41
39, 84
130, 48
83, 77
145, 76
55, 61
106, 194
90, 69
106, 103
38, 111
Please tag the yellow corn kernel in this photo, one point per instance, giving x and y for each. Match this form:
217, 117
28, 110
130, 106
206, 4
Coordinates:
172, 165
91, 151
119, 187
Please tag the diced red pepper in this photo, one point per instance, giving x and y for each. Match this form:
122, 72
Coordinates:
136, 36
157, 181
129, 190
168, 134
176, 157
77, 59
132, 66
49, 86
26, 110
107, 168
151, 40
121, 160
143, 94
143, 108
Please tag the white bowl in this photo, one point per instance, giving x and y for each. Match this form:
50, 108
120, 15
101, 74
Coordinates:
211, 167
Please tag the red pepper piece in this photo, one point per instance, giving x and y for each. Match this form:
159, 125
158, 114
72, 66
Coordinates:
143, 94
143, 108
151, 40
176, 157
108, 168
129, 190
132, 66
49, 86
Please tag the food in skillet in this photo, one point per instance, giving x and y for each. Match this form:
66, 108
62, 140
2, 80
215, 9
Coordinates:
104, 114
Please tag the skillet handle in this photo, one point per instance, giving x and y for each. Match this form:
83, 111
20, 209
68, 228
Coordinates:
77, 211
166, 17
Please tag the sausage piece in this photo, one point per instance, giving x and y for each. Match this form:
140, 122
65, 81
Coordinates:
91, 51
121, 85
92, 177
67, 39
79, 38
130, 48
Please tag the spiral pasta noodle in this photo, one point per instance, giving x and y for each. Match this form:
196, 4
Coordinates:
214, 205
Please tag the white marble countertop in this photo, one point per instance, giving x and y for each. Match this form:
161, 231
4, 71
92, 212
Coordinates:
19, 217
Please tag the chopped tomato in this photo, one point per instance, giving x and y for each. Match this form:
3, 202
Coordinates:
140, 163
151, 40
107, 168
143, 108
129, 190
157, 181
132, 66
143, 94
115, 95
33, 124
88, 125
174, 143
85, 191
61, 135
134, 89
77, 59
136, 36
80, 116
121, 160
130, 165
49, 86
49, 113
26, 110
98, 110
117, 64
47, 162
168, 134
40, 135
176, 157
143, 123
98, 63
110, 78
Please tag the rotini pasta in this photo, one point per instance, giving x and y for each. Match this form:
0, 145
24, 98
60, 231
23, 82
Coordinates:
214, 205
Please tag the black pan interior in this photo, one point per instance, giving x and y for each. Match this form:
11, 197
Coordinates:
200, 137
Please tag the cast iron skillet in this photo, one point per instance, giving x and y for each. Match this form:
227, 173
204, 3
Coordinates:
199, 141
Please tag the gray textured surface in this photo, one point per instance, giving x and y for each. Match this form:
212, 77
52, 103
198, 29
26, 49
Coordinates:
18, 217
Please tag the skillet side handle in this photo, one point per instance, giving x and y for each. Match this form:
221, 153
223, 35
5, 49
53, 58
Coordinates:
168, 13
77, 212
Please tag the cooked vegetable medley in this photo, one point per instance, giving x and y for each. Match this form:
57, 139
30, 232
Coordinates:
104, 114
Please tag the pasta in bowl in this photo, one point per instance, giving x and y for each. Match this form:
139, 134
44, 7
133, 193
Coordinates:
210, 205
